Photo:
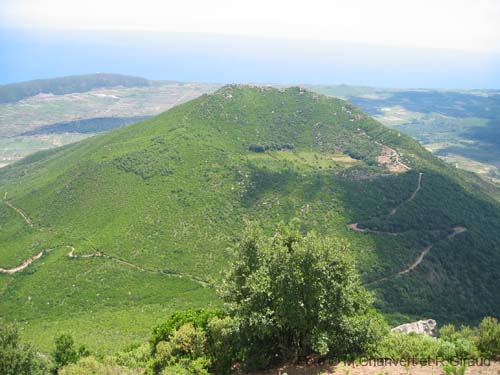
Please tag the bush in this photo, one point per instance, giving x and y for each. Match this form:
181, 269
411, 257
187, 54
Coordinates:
197, 366
223, 344
91, 366
17, 358
398, 345
270, 147
463, 340
65, 352
294, 294
185, 350
199, 318
488, 338
136, 356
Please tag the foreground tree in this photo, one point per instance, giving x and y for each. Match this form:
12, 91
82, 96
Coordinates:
293, 295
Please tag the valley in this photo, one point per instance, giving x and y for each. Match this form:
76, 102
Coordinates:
48, 120
459, 126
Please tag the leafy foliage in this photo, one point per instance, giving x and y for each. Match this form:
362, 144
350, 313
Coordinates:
481, 341
92, 366
401, 345
183, 353
198, 318
294, 294
488, 337
65, 352
271, 147
165, 201
17, 358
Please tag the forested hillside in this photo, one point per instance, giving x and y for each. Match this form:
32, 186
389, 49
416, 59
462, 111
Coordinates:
130, 225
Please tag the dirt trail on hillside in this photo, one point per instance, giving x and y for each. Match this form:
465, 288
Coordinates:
18, 210
412, 197
356, 228
23, 265
419, 260
455, 231
71, 254
101, 254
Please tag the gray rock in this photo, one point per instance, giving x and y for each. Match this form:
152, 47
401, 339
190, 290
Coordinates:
422, 327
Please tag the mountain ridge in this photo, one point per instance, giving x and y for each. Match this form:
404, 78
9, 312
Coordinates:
13, 92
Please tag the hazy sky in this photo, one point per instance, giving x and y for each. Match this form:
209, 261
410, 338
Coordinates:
417, 43
456, 24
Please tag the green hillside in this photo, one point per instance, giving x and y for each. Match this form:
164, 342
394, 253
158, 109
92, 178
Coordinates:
138, 222
459, 126
65, 85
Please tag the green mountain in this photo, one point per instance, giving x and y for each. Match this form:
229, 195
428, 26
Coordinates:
111, 234
66, 85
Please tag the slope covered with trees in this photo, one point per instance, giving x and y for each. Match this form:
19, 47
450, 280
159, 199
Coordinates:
139, 222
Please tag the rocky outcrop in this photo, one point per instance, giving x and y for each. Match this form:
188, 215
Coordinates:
422, 327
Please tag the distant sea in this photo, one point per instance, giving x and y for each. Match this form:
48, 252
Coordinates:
27, 54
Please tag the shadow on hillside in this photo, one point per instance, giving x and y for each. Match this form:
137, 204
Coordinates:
459, 277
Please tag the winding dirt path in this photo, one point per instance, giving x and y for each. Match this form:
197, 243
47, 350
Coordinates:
455, 231
419, 260
124, 262
356, 228
18, 210
71, 254
23, 265
412, 197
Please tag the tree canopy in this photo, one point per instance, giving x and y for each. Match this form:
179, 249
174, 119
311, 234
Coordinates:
295, 294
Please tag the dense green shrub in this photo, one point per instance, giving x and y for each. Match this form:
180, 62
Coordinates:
402, 345
293, 295
463, 340
66, 353
194, 337
223, 344
136, 356
270, 147
91, 366
17, 358
466, 342
199, 318
488, 338
145, 164
185, 350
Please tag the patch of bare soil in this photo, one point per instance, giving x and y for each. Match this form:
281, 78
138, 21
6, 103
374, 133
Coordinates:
391, 159
486, 368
